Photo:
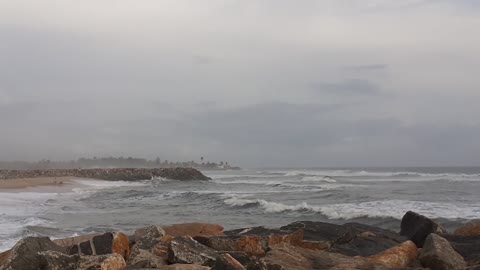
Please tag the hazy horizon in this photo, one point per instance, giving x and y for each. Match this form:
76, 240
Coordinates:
333, 83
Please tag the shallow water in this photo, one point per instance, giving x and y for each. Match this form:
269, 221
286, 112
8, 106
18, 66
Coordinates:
270, 197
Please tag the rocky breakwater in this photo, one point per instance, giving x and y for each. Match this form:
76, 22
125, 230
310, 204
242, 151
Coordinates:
126, 174
303, 245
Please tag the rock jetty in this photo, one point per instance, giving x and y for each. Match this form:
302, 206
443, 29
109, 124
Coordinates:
302, 245
126, 174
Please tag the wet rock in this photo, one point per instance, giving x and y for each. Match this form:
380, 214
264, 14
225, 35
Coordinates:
290, 257
472, 228
417, 227
184, 267
148, 237
371, 231
186, 250
24, 255
140, 258
368, 241
193, 229
403, 255
467, 246
438, 254
322, 232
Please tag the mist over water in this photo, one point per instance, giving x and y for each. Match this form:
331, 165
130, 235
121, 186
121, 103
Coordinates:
235, 199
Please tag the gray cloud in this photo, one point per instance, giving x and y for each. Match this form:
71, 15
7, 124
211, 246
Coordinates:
371, 67
347, 87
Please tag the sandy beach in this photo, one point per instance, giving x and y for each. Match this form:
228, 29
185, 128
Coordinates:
25, 183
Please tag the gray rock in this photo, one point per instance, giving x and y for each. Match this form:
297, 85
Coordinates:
140, 258
185, 250
467, 246
148, 237
438, 254
417, 227
24, 255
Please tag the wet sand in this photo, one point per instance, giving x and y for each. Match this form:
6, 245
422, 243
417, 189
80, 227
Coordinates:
56, 184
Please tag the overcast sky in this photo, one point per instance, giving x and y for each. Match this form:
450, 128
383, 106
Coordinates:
254, 82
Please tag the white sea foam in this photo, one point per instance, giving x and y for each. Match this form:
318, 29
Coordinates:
101, 184
373, 209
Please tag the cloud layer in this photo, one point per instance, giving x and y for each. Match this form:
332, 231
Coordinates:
259, 83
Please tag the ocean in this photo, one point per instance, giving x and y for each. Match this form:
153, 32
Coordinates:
244, 198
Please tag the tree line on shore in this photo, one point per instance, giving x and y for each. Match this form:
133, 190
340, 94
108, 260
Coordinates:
113, 162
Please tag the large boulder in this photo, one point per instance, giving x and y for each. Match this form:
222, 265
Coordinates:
24, 255
186, 250
417, 227
467, 246
402, 256
193, 229
52, 260
148, 237
438, 254
368, 240
289, 257
471, 228
141, 258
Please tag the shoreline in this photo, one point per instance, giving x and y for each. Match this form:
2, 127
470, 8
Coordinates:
22, 184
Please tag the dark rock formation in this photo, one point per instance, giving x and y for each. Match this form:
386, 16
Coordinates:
438, 254
126, 174
417, 227
322, 232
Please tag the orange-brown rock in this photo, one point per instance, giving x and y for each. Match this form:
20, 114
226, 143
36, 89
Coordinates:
250, 244
193, 229
402, 255
469, 229
166, 239
294, 238
313, 245
104, 262
120, 244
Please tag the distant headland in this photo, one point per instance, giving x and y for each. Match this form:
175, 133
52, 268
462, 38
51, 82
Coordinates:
115, 162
